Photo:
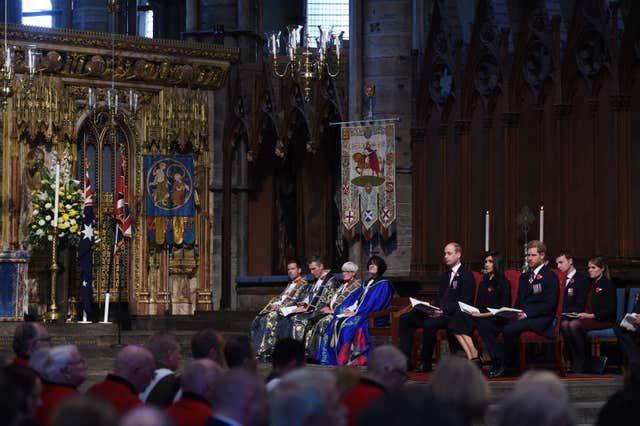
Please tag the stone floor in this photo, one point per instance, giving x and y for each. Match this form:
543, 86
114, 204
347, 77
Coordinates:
95, 342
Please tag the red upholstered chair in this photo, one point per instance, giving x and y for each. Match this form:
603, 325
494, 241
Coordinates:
533, 337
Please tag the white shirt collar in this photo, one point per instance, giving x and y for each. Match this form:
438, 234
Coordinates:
226, 419
571, 274
537, 270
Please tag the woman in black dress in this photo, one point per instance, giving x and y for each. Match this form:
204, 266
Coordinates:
494, 291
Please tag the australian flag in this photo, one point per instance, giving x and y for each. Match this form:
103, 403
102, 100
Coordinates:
122, 216
87, 239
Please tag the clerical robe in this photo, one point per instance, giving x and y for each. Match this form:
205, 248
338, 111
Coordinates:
265, 325
318, 296
346, 339
315, 329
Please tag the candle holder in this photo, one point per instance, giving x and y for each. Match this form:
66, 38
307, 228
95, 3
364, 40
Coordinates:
52, 314
525, 219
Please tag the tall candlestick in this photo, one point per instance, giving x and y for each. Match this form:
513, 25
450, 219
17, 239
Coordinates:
486, 231
56, 198
541, 223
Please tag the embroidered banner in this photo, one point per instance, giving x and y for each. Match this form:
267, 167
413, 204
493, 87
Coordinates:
368, 176
169, 186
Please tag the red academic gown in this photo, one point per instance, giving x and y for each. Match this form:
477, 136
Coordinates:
360, 397
190, 410
52, 395
118, 392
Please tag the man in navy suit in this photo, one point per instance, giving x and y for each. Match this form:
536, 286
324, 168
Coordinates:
629, 341
576, 285
537, 298
456, 285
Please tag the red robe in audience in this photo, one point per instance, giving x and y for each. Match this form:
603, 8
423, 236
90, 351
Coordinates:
360, 397
118, 392
19, 360
190, 410
52, 395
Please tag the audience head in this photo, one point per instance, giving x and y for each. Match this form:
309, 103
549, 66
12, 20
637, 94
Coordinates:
538, 399
597, 268
146, 415
536, 253
64, 364
316, 266
136, 365
83, 410
240, 395
166, 350
288, 354
347, 377
29, 337
452, 254
460, 384
564, 261
306, 397
388, 366
241, 352
493, 264
26, 389
199, 377
208, 343
376, 266
294, 269
349, 270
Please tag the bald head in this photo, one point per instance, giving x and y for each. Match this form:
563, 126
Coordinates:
199, 377
145, 415
387, 365
135, 364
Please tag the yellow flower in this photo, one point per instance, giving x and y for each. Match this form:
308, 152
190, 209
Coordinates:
36, 206
34, 226
61, 226
73, 229
73, 212
44, 182
69, 197
65, 217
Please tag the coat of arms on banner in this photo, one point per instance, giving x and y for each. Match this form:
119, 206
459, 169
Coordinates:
368, 176
169, 185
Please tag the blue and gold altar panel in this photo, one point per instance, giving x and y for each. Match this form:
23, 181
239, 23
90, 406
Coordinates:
169, 187
13, 274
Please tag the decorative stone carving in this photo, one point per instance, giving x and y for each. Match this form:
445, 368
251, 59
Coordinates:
591, 54
537, 64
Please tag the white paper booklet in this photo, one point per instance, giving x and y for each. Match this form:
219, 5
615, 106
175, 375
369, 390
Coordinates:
468, 308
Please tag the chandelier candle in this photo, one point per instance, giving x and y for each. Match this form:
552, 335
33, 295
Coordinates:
56, 199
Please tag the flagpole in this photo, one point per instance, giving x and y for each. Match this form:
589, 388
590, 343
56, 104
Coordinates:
84, 192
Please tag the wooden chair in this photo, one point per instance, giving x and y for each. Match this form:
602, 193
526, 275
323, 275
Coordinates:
399, 305
533, 337
598, 337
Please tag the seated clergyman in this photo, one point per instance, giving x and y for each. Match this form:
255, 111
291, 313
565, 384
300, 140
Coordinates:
264, 326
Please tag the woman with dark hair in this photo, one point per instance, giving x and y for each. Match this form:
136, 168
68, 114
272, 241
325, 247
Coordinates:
494, 291
599, 314
346, 339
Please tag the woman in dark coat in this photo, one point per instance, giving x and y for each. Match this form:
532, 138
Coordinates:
494, 291
599, 312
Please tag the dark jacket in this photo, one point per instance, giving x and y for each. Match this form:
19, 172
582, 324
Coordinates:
575, 293
538, 298
461, 289
604, 300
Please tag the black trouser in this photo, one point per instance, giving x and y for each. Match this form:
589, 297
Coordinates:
413, 320
629, 344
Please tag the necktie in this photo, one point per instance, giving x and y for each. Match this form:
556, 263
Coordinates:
532, 277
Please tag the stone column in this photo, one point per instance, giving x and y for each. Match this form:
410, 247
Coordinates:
191, 23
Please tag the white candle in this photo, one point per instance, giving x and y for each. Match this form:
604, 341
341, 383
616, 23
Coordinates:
106, 309
486, 231
56, 198
541, 223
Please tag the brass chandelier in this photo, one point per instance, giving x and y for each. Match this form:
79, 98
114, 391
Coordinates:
302, 61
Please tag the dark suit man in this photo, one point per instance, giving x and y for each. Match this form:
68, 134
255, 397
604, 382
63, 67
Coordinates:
537, 298
630, 340
576, 285
456, 285
238, 399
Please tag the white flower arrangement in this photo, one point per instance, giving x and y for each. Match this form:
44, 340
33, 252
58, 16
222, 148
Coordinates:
69, 212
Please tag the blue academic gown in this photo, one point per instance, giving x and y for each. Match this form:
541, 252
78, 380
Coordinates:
347, 340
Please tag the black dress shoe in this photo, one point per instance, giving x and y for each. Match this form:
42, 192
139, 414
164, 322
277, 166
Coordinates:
496, 372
